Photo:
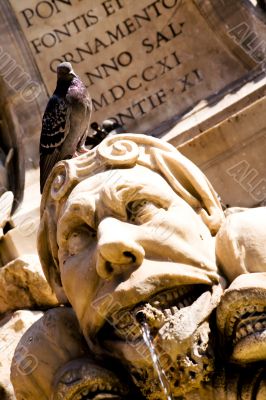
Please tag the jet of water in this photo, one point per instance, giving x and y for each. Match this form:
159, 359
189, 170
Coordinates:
156, 362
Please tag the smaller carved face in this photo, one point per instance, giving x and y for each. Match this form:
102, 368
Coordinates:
241, 319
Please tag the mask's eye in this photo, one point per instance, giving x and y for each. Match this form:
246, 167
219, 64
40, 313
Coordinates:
140, 211
80, 239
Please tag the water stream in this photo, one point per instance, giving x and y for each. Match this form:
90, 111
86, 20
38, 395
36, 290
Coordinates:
160, 372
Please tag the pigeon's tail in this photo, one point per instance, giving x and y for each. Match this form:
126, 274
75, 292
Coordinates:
47, 162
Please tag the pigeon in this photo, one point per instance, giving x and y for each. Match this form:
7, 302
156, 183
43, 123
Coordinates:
65, 121
108, 128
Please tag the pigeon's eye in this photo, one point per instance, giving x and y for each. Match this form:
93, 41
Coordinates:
80, 239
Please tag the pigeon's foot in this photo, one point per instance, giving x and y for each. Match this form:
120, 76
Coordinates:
80, 150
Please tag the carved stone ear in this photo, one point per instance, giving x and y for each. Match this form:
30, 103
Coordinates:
191, 184
47, 249
58, 182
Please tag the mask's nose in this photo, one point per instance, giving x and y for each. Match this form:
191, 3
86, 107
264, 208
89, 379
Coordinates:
117, 249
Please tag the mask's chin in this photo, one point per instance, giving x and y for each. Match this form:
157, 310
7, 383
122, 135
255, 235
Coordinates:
178, 322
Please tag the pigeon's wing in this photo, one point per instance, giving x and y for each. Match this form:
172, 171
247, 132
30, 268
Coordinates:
85, 115
55, 128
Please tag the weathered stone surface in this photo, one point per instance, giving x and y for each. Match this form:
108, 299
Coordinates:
204, 117
241, 319
12, 327
23, 98
240, 250
66, 368
240, 243
51, 342
145, 63
231, 154
129, 206
21, 239
127, 237
23, 285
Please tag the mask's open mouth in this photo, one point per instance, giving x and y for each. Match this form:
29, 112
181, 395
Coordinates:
123, 323
241, 319
246, 333
97, 396
178, 321
81, 379
246, 322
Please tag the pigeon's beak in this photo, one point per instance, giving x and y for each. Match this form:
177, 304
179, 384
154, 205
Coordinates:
72, 74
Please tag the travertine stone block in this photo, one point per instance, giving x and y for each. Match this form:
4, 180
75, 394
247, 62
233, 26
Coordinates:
19, 241
23, 285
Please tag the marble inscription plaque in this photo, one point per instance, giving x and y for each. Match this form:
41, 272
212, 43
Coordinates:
144, 62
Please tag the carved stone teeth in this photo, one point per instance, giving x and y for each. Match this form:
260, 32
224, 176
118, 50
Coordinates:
249, 328
124, 324
124, 321
172, 295
238, 335
121, 325
78, 397
258, 326
162, 297
85, 392
239, 313
167, 312
186, 302
231, 325
69, 377
102, 386
94, 388
169, 296
180, 291
242, 332
174, 310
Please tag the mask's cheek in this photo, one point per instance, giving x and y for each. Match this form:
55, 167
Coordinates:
79, 277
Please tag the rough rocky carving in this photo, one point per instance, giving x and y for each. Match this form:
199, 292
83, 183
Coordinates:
23, 285
240, 243
127, 237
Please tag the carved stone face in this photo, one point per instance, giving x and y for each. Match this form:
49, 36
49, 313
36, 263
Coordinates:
128, 242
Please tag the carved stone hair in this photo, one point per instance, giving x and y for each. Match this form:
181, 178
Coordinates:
121, 151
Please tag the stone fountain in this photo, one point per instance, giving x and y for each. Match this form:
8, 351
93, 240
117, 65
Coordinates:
154, 303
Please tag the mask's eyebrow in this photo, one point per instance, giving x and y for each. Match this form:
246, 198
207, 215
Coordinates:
118, 196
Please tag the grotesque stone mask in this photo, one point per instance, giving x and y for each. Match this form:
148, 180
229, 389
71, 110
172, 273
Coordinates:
126, 237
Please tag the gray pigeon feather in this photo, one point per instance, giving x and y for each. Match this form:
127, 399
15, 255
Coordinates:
65, 121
